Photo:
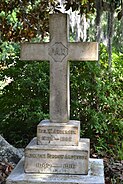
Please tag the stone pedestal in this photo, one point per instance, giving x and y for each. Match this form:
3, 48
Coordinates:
58, 156
57, 149
56, 159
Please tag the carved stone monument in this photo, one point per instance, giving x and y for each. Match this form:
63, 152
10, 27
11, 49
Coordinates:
57, 154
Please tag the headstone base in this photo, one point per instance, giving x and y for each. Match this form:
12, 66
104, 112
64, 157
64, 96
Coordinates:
95, 176
57, 160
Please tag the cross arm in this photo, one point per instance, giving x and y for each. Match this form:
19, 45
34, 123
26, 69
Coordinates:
83, 51
34, 51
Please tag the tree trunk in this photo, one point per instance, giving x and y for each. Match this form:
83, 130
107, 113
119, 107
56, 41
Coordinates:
98, 5
110, 35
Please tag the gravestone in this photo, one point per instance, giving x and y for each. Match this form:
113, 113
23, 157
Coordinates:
58, 149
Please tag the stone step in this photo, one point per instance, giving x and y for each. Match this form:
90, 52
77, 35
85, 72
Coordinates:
64, 134
60, 159
95, 176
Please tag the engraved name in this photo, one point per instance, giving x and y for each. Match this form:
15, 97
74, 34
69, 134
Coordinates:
55, 131
53, 156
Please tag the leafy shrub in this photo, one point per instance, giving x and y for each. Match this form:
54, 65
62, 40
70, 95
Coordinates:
97, 101
24, 102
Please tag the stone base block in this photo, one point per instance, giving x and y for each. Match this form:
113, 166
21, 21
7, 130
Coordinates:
95, 176
60, 159
64, 134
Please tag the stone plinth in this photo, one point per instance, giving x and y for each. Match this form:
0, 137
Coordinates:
56, 159
95, 176
62, 134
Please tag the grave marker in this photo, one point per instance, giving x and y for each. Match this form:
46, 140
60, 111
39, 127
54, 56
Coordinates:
58, 148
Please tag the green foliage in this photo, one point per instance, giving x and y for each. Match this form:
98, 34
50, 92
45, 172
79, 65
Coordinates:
24, 101
97, 101
24, 19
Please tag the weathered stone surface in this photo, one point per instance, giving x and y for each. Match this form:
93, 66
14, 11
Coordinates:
9, 152
83, 51
95, 176
56, 159
59, 51
64, 134
86, 143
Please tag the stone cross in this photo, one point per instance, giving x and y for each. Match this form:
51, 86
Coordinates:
59, 51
